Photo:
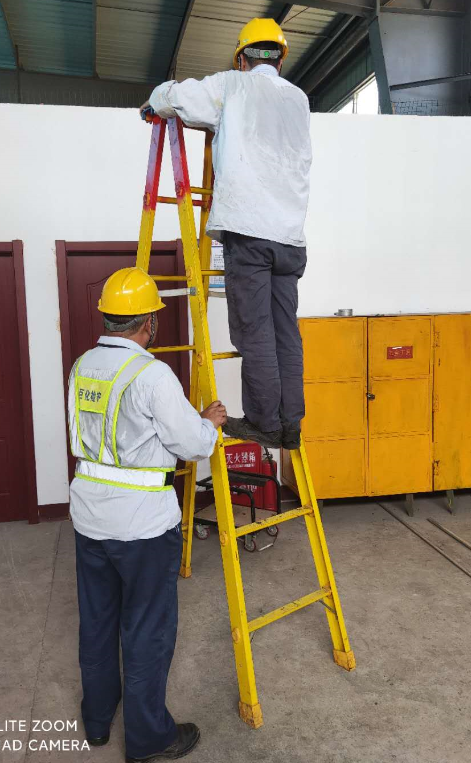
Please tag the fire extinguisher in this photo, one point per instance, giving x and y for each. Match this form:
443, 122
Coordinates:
269, 467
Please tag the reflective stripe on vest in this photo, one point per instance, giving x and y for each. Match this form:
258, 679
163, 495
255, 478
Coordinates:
151, 480
102, 398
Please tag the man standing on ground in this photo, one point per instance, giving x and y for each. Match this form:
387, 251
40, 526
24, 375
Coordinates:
261, 158
129, 421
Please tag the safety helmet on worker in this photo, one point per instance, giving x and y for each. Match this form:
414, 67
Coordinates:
130, 291
260, 30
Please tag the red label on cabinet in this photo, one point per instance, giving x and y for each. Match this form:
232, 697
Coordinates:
400, 353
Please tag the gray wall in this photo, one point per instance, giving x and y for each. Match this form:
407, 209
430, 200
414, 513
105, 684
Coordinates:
419, 48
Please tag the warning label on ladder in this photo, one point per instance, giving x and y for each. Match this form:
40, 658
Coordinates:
217, 263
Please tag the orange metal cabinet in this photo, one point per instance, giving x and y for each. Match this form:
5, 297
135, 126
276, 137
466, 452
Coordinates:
452, 402
335, 427
388, 404
400, 405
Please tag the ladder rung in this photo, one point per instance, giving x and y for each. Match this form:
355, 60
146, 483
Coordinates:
204, 191
174, 200
177, 348
169, 278
185, 278
287, 609
225, 355
277, 519
182, 472
228, 441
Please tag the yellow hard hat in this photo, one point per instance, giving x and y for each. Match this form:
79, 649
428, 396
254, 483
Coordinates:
130, 291
260, 30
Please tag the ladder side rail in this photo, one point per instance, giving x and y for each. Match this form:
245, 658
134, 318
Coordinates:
343, 654
249, 706
154, 167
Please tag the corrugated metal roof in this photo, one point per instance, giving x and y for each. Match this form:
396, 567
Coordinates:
134, 40
305, 29
214, 25
137, 45
7, 53
54, 36
212, 32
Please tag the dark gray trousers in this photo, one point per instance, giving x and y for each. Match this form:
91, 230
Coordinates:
262, 300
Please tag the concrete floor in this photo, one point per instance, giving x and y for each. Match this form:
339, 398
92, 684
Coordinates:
408, 612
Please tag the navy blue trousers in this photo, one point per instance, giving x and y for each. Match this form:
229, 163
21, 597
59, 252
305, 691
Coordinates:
128, 590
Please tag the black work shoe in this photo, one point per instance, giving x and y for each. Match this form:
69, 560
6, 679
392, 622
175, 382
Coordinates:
188, 736
291, 438
242, 429
98, 741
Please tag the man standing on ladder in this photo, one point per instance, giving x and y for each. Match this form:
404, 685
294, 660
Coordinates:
129, 421
261, 158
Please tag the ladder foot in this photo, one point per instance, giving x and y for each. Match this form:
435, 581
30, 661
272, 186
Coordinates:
185, 572
251, 714
345, 659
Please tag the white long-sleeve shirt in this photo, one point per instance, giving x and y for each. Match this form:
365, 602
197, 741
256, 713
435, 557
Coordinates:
261, 149
156, 425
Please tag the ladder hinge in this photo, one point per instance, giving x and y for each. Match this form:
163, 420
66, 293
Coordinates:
436, 339
435, 403
436, 468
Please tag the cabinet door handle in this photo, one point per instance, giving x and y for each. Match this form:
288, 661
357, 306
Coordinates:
370, 396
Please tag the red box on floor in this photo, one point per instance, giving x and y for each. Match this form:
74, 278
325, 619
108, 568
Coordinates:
247, 457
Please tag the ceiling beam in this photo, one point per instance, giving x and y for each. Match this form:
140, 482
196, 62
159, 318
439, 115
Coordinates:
352, 7
283, 13
186, 17
351, 41
367, 8
319, 50
435, 81
15, 48
94, 32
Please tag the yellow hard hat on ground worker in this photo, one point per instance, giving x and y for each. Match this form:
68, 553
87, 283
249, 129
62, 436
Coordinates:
130, 291
260, 30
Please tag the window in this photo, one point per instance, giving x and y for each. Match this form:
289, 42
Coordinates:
363, 101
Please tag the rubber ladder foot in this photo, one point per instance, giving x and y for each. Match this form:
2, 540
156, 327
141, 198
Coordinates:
185, 572
345, 659
251, 714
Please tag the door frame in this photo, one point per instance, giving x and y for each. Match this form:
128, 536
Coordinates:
63, 249
14, 249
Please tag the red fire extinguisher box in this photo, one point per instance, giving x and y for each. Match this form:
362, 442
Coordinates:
247, 457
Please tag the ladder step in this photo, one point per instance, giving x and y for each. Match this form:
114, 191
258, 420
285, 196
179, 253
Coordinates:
277, 519
182, 472
225, 355
169, 278
185, 278
228, 441
287, 609
174, 200
204, 191
177, 348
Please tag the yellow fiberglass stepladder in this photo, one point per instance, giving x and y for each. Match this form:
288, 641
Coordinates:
203, 390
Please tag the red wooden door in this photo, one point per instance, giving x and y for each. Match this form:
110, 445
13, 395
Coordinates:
13, 461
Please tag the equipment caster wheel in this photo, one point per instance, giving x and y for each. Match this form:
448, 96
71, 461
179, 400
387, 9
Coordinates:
273, 531
249, 543
202, 532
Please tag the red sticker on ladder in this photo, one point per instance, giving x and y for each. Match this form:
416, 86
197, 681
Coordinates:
400, 353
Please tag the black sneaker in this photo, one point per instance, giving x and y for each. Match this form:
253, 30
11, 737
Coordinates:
242, 429
188, 736
291, 438
98, 741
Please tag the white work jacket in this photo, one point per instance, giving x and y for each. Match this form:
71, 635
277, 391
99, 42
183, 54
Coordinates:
155, 425
261, 149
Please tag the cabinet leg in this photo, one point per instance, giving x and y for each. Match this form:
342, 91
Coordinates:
450, 500
410, 504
